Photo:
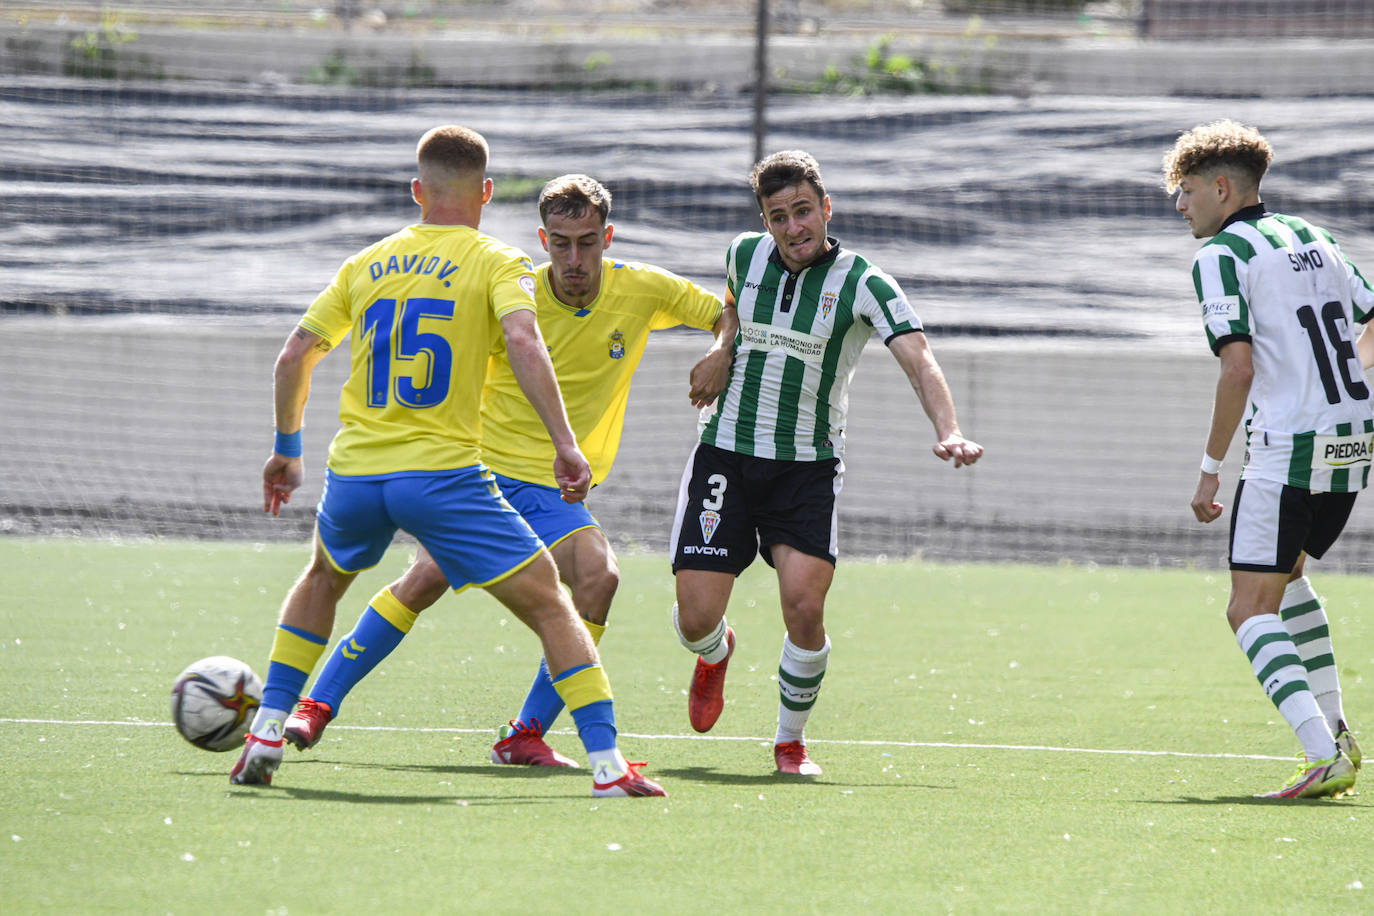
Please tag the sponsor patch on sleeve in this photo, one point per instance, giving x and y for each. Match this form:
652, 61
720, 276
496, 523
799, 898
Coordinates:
527, 284
1225, 308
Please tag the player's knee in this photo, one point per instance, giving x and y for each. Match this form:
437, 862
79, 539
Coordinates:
805, 623
421, 586
694, 623
323, 578
1237, 612
595, 590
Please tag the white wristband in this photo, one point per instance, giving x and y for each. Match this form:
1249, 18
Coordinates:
1210, 465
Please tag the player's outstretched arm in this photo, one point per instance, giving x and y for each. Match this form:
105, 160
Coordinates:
1232, 396
712, 372
913, 354
529, 360
283, 473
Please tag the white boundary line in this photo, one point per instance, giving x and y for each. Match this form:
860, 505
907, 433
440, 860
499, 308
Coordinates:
1044, 748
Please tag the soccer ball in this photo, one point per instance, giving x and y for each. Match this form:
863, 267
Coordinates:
213, 702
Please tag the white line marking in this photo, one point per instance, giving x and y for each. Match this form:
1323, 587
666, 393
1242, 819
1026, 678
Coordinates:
1044, 748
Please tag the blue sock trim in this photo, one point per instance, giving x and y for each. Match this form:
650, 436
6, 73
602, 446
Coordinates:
571, 671
596, 725
283, 687
542, 702
317, 640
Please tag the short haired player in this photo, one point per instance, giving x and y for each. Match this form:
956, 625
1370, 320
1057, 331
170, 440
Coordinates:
767, 470
1279, 304
596, 314
424, 308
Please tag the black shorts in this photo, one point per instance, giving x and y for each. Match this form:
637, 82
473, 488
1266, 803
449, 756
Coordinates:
732, 506
1272, 524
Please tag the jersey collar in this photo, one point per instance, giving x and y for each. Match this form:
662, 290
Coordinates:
1244, 215
584, 311
775, 256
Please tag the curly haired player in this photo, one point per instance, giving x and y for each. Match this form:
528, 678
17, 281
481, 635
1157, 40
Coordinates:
1279, 302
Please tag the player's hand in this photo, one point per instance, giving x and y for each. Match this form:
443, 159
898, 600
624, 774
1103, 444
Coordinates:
1204, 503
572, 474
709, 376
958, 449
280, 476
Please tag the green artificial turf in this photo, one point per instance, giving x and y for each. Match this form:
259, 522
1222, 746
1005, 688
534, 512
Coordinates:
994, 739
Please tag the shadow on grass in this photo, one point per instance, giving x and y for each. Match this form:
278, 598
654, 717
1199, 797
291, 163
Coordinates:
300, 793
491, 770
709, 775
283, 789
1336, 803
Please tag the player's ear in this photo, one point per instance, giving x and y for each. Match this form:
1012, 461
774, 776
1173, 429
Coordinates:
606, 241
487, 187
417, 192
543, 238
825, 208
1221, 186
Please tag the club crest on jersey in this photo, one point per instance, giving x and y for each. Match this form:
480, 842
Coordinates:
828, 301
617, 345
709, 519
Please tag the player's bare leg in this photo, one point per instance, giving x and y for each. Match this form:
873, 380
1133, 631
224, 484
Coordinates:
699, 619
588, 565
311, 603
422, 584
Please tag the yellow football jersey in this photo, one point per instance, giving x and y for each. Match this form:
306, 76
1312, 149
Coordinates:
595, 351
423, 307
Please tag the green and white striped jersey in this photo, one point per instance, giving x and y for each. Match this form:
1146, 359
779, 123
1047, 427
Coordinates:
1283, 285
800, 337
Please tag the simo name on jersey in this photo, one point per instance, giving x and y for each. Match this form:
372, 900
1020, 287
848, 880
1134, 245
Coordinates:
1305, 260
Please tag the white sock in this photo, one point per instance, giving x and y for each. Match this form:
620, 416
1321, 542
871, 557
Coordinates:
267, 723
1280, 672
608, 765
712, 648
1305, 620
799, 683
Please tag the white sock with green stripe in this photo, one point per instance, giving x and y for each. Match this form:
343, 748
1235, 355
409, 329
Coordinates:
1305, 620
1280, 672
799, 683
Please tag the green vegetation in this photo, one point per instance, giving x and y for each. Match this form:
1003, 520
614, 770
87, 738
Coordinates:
102, 52
517, 188
339, 69
882, 71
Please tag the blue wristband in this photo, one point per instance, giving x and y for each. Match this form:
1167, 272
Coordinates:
288, 445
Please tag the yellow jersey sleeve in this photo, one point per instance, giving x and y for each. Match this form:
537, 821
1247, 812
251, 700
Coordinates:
328, 316
595, 351
683, 302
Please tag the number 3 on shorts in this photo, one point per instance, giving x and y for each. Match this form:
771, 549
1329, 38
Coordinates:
717, 482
